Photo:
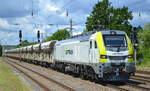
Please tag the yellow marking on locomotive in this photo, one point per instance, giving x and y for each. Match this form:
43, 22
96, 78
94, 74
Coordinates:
103, 60
130, 49
130, 60
101, 46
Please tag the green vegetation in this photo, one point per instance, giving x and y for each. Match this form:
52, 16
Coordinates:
143, 67
105, 16
9, 81
59, 35
25, 43
144, 44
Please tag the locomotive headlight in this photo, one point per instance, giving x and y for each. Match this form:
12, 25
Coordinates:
130, 56
103, 57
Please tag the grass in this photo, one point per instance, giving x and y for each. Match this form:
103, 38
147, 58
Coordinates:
144, 65
9, 81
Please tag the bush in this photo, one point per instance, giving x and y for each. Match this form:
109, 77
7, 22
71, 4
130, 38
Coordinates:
144, 44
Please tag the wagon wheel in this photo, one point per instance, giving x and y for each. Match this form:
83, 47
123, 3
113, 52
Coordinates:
82, 75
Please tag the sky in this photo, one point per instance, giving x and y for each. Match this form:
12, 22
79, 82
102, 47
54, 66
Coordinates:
50, 15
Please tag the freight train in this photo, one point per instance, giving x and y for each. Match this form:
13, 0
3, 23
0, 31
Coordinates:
102, 55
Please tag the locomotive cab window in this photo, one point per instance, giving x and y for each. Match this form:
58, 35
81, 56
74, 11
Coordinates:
115, 41
90, 44
95, 44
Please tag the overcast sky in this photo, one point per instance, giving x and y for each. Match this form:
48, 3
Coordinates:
17, 14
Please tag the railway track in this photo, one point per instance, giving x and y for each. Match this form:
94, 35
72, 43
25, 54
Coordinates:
144, 77
104, 84
143, 72
45, 88
141, 79
134, 84
126, 87
117, 87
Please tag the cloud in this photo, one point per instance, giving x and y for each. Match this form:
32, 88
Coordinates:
9, 38
141, 19
51, 8
17, 8
134, 5
50, 15
3, 23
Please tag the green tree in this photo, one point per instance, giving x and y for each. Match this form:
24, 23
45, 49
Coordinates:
105, 16
85, 30
25, 43
144, 43
59, 35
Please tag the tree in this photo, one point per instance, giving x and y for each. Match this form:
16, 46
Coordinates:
144, 42
25, 43
105, 16
85, 30
59, 35
147, 26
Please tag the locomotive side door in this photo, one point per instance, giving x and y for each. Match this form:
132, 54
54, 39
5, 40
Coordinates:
93, 54
90, 52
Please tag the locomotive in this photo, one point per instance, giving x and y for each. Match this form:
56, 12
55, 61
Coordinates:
102, 55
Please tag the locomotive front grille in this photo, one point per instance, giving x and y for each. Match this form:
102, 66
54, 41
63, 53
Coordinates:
117, 57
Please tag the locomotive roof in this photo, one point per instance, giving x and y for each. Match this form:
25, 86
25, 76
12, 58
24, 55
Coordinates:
86, 36
79, 38
109, 31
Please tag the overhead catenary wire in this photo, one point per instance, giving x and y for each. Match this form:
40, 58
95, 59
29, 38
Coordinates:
67, 4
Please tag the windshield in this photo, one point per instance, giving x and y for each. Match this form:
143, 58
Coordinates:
115, 40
